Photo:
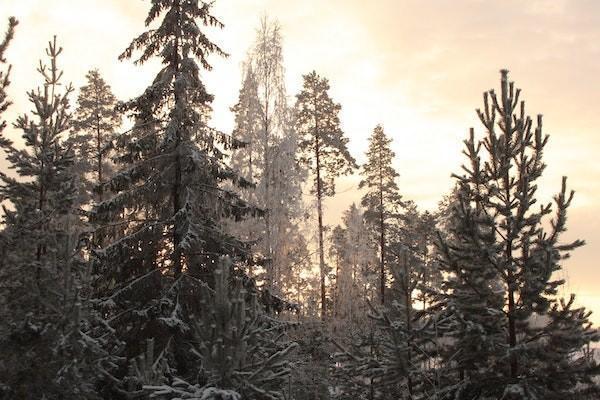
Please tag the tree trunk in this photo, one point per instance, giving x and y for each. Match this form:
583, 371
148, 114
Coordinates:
177, 262
267, 178
382, 232
512, 334
408, 304
320, 217
99, 236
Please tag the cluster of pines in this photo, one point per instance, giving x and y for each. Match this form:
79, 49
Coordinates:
147, 255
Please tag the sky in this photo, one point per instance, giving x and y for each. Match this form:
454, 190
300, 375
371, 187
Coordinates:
419, 68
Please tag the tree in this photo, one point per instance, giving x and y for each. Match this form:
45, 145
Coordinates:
5, 75
382, 199
93, 133
265, 122
238, 347
394, 359
53, 344
248, 125
354, 258
324, 150
95, 122
506, 258
471, 299
171, 192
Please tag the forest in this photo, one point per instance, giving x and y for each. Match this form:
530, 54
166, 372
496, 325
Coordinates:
145, 254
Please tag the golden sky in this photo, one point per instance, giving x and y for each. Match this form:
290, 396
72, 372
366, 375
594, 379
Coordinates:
417, 67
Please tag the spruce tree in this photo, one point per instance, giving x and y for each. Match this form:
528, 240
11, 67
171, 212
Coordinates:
324, 151
512, 250
382, 199
169, 198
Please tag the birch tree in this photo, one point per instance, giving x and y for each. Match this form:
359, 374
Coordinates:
266, 123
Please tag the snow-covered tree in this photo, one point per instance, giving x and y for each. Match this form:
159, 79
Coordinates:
169, 197
247, 160
354, 258
5, 75
310, 378
323, 150
45, 188
239, 348
472, 301
505, 256
53, 344
265, 122
393, 358
382, 199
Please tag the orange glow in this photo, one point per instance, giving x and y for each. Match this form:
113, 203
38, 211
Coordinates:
419, 68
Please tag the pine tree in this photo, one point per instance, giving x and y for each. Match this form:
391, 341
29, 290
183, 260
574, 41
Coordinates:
393, 360
5, 75
95, 122
472, 300
52, 342
238, 347
170, 192
310, 378
324, 151
382, 199
406, 329
512, 253
45, 161
337, 254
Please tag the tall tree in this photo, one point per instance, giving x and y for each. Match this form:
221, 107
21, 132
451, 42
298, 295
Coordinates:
47, 318
248, 124
324, 151
95, 122
266, 123
513, 251
170, 190
382, 199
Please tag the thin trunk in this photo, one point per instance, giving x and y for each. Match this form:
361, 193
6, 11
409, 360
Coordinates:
267, 177
336, 290
321, 250
320, 217
99, 236
177, 264
408, 304
41, 203
512, 334
382, 232
99, 153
